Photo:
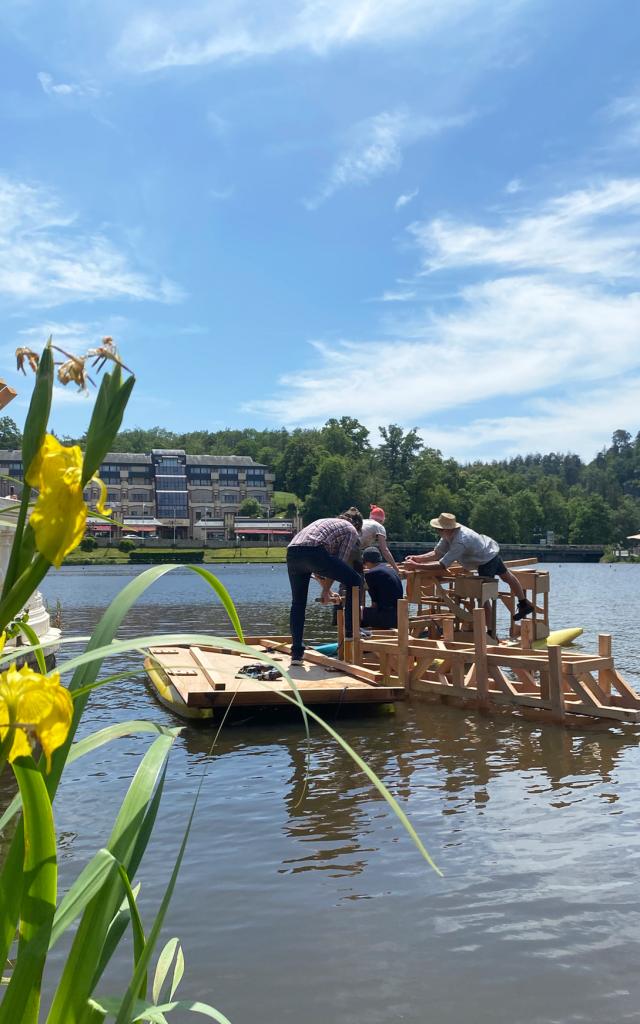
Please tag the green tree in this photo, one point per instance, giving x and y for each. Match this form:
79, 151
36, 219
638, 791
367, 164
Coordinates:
590, 520
345, 436
528, 515
399, 451
251, 508
10, 436
492, 515
396, 506
300, 461
329, 494
626, 519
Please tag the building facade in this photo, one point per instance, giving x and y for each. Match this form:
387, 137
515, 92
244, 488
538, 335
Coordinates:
166, 492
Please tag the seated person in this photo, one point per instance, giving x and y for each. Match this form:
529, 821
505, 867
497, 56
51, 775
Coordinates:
385, 589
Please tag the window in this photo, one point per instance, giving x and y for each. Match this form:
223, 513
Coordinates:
199, 474
172, 505
228, 475
230, 499
140, 476
170, 464
140, 496
110, 472
113, 497
255, 477
170, 483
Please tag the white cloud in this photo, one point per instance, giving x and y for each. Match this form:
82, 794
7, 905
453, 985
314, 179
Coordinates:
513, 186
561, 236
405, 198
578, 421
160, 35
46, 259
510, 342
52, 88
222, 194
376, 147
509, 337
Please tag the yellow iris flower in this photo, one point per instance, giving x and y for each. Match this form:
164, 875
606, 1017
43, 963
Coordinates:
59, 517
37, 707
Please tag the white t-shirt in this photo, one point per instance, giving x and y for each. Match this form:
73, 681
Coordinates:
469, 548
371, 533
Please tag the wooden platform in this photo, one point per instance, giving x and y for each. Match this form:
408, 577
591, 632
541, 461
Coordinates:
208, 677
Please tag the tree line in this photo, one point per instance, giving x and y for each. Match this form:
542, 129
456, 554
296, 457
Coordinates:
515, 500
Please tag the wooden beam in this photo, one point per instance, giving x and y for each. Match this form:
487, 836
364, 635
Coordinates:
403, 643
605, 651
480, 646
556, 683
355, 624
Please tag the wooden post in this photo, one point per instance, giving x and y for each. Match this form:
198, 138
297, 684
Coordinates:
526, 635
604, 650
448, 628
340, 625
355, 625
556, 684
480, 644
404, 677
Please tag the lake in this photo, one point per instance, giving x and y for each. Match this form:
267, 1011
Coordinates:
317, 907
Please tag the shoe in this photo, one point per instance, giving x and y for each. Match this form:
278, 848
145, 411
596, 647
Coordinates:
295, 662
365, 634
524, 608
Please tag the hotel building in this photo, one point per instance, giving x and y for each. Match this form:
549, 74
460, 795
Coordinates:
167, 492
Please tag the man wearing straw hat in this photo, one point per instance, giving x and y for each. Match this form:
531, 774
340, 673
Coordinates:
475, 552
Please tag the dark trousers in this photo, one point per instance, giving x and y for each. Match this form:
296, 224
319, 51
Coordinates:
380, 618
302, 563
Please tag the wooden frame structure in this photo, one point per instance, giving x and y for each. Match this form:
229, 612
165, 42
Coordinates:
554, 684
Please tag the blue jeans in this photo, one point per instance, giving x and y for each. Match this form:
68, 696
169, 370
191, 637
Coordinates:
302, 562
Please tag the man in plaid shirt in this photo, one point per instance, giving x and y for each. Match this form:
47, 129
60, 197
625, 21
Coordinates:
322, 548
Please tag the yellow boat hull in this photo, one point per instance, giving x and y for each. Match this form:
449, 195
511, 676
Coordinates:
559, 638
167, 694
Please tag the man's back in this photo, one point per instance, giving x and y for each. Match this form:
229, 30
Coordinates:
384, 585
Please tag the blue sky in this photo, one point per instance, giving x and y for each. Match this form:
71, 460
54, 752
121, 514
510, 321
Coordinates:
413, 211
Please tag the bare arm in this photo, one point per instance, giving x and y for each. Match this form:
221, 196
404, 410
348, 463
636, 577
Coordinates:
384, 548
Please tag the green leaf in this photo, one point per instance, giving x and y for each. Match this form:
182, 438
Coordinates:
138, 929
76, 984
21, 1001
143, 1011
32, 637
117, 927
101, 867
108, 410
165, 960
39, 408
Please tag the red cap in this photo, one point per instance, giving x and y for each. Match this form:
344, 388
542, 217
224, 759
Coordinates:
377, 512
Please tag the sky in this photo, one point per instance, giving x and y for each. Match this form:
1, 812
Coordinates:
422, 212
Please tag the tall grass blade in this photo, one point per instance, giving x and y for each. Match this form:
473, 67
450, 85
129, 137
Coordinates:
100, 868
76, 983
21, 1001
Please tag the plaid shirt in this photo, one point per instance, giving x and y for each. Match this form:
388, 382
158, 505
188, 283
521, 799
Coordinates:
336, 536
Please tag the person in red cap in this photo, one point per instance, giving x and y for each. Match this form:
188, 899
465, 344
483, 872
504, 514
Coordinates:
373, 534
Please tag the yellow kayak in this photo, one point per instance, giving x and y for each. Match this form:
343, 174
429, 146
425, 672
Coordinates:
559, 637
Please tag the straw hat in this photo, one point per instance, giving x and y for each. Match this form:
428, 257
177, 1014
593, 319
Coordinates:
445, 521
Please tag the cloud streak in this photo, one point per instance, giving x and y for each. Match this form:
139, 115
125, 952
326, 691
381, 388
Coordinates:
376, 148
158, 36
46, 259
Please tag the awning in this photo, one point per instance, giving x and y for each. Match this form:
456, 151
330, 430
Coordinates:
285, 531
142, 522
99, 527
139, 529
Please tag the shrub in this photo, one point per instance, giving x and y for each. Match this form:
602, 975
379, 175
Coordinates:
127, 546
88, 544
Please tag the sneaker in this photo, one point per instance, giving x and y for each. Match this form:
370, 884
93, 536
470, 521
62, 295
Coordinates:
365, 634
295, 662
524, 608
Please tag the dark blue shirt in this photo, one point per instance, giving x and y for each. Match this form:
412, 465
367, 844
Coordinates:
384, 586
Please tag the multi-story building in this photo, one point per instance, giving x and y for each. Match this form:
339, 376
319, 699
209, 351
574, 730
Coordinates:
167, 492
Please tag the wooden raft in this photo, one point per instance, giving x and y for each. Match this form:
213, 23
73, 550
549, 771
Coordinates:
207, 677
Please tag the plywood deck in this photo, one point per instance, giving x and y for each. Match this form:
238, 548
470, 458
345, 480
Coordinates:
208, 677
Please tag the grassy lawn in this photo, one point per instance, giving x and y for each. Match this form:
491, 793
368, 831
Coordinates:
112, 556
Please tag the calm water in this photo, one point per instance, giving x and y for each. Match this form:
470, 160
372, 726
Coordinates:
321, 910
